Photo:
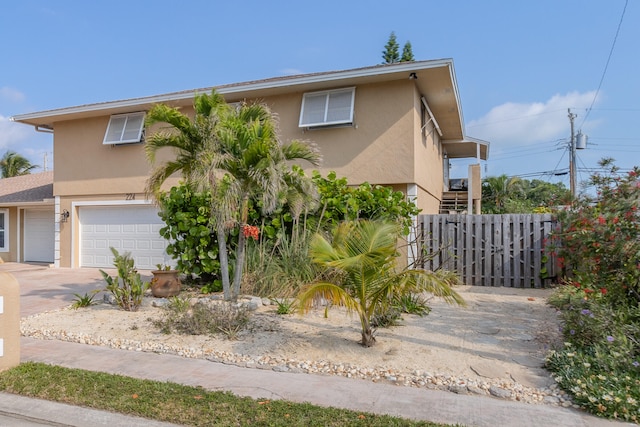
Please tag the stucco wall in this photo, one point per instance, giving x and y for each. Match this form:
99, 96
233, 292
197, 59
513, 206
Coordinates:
378, 148
12, 236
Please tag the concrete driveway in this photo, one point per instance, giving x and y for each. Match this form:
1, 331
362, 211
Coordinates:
43, 288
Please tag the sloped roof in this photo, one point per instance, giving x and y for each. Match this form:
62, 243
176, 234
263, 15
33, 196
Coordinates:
435, 80
32, 188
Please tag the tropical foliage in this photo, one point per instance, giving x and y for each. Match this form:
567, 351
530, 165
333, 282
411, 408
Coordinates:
13, 164
278, 260
599, 241
127, 287
598, 245
235, 153
360, 272
503, 194
187, 216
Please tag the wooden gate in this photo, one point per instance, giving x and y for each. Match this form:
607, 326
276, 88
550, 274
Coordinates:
490, 250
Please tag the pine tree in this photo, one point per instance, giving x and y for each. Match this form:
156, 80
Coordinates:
407, 53
390, 53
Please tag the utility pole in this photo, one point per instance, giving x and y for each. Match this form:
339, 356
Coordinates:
572, 157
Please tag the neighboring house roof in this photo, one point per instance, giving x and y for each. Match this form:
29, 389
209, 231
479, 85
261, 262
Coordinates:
435, 80
35, 188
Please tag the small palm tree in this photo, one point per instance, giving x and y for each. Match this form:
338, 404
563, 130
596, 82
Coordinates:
361, 260
13, 164
237, 155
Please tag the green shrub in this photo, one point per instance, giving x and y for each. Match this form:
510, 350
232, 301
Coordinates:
127, 287
412, 304
386, 317
285, 305
599, 239
283, 236
204, 319
598, 245
190, 240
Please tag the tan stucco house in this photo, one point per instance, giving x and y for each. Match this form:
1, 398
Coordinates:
395, 125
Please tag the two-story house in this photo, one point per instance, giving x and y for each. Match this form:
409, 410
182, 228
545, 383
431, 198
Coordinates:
396, 125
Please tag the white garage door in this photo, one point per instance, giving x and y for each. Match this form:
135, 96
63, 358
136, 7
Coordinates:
39, 235
133, 229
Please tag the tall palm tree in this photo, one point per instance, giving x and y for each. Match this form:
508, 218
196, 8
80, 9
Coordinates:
361, 258
236, 153
13, 164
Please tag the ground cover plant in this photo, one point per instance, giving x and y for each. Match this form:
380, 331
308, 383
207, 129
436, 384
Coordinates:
176, 403
598, 244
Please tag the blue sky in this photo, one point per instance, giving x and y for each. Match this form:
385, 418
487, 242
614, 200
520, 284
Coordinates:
520, 64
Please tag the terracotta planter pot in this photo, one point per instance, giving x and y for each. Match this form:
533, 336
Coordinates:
165, 283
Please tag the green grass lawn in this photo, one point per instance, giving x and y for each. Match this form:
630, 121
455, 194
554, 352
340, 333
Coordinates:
176, 403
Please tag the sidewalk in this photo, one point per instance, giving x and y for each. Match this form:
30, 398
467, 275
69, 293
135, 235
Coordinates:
42, 289
359, 395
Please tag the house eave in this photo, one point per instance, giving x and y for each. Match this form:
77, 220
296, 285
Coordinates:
466, 147
18, 204
443, 96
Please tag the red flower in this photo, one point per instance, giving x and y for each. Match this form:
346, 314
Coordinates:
251, 231
601, 220
587, 291
603, 291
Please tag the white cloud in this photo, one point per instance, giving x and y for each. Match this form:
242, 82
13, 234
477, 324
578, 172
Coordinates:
11, 94
516, 124
11, 133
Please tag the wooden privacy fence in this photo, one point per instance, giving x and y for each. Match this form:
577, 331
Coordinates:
489, 250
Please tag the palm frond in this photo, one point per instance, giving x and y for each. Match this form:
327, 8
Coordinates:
328, 293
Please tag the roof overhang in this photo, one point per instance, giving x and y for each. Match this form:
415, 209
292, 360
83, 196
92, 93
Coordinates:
466, 148
45, 202
434, 79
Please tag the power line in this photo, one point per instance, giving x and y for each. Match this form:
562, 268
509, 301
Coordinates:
604, 72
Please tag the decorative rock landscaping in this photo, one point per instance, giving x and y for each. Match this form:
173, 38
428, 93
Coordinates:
42, 326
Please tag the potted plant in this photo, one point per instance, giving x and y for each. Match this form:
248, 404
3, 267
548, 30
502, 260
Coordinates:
165, 282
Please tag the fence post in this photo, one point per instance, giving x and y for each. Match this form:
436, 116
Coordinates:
9, 321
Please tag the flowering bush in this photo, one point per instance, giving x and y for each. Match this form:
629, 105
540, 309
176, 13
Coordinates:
598, 244
599, 240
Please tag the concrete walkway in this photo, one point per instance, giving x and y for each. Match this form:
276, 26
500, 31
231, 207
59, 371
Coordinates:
359, 395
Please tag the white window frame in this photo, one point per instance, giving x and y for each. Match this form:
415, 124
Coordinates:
4, 228
327, 94
129, 126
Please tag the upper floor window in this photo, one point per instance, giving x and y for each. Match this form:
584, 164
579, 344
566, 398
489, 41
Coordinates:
124, 129
4, 220
326, 108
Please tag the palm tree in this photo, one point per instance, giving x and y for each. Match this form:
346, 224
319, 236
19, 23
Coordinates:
13, 164
498, 190
234, 152
361, 258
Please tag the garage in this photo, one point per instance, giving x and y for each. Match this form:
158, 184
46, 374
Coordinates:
39, 235
134, 229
